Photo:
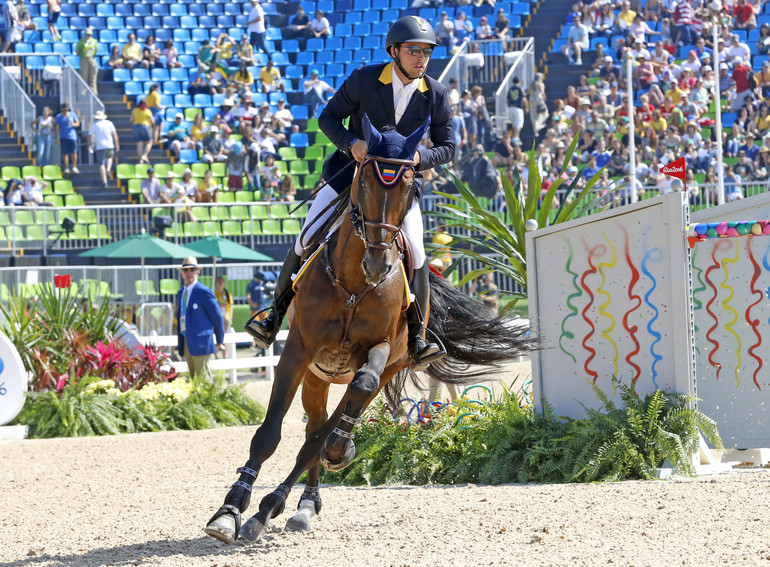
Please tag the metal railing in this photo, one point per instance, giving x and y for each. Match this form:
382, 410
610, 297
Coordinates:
18, 108
522, 62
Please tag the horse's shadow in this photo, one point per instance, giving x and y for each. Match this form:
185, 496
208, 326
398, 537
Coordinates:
138, 553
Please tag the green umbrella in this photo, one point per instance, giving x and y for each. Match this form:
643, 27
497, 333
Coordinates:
219, 247
142, 246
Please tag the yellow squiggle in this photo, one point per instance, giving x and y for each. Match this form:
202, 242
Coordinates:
600, 291
726, 304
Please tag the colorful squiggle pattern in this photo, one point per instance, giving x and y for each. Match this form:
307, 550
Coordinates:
632, 330
754, 323
653, 255
709, 303
573, 310
727, 305
603, 266
598, 250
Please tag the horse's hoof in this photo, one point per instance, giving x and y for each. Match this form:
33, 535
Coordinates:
341, 463
254, 529
223, 529
297, 523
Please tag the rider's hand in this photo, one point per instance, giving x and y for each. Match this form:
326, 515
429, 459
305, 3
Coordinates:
359, 150
417, 158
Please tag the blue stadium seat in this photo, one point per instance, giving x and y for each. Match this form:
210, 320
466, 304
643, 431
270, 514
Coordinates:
152, 22
353, 18
200, 100
178, 10
362, 30
188, 156
294, 72
342, 30
273, 34
326, 6
290, 46
159, 10
121, 75
140, 74
96, 22
371, 16
428, 13
225, 21
362, 55
67, 10
334, 70
171, 22
305, 58
191, 48
180, 35
141, 10
207, 22
351, 43
143, 34
64, 48
105, 10
196, 10
187, 60
214, 9
362, 5
270, 9
343, 56
179, 74
233, 9
86, 10
236, 33
380, 29
132, 88
172, 88
188, 22
24, 47
333, 44
372, 42
209, 112
199, 34
324, 57
123, 10
106, 36
182, 100
300, 112
298, 140
76, 23
134, 22
315, 44
159, 75
115, 23
281, 58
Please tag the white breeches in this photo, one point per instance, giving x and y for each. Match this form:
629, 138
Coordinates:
412, 227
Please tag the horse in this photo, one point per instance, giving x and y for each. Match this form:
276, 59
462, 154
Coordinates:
347, 326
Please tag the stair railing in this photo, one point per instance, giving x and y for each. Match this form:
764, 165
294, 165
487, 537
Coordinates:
522, 61
18, 108
455, 68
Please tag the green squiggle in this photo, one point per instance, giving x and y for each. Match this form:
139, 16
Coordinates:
573, 310
600, 291
726, 304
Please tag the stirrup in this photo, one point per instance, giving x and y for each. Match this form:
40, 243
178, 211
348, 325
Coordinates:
263, 332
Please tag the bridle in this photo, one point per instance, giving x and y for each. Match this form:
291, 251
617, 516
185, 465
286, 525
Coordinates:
388, 178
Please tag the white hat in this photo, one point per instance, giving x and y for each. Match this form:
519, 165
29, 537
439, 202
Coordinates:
716, 6
99, 115
186, 171
723, 65
179, 115
213, 129
228, 101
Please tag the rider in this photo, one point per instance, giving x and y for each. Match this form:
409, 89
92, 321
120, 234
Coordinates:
395, 95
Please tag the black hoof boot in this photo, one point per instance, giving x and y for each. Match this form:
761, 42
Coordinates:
271, 506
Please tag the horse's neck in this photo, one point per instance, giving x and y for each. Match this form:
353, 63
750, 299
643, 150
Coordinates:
347, 254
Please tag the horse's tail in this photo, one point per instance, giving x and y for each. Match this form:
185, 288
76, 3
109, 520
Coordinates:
477, 341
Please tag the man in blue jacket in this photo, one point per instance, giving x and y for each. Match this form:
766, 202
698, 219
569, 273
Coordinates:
396, 95
199, 320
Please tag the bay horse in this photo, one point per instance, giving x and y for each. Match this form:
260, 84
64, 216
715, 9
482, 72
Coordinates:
348, 326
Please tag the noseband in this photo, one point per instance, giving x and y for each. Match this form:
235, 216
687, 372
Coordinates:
387, 178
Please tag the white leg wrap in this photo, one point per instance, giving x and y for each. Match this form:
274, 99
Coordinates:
322, 199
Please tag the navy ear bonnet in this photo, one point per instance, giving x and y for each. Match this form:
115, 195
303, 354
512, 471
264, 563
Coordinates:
390, 145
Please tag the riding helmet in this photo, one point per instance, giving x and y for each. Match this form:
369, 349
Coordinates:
410, 28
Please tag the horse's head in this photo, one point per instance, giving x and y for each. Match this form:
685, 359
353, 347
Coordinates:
382, 194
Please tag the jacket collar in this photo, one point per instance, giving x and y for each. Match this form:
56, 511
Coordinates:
386, 78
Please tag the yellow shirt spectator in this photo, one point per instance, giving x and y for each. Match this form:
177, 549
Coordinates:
270, 77
627, 18
196, 133
143, 117
659, 125
132, 52
153, 99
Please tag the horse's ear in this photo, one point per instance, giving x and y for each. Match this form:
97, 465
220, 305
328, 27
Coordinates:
413, 141
371, 136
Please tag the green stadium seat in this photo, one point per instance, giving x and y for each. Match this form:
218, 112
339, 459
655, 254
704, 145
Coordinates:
5, 218
5, 293
86, 216
251, 227
311, 180
44, 216
231, 228
259, 211
51, 172
145, 287
312, 126
278, 211
31, 170
15, 233
169, 286
191, 113
79, 232
99, 230
287, 153
36, 232
244, 197
300, 213
9, 172
239, 212
135, 188
271, 226
73, 200
55, 200
218, 169
298, 167
199, 169
125, 171
22, 217
211, 228
179, 168
201, 213
176, 229
140, 170
282, 166
292, 226
314, 152
322, 139
161, 169
63, 187
226, 197
219, 213
193, 230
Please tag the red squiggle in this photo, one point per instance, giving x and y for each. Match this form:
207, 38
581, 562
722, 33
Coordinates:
595, 251
631, 330
710, 302
753, 323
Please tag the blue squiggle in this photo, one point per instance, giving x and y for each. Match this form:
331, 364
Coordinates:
653, 255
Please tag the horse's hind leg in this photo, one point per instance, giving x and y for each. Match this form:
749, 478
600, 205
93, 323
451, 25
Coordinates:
314, 397
338, 449
225, 525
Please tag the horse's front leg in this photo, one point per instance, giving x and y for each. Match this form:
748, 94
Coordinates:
225, 525
338, 449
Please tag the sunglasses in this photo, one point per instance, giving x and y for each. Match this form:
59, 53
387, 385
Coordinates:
189, 269
416, 50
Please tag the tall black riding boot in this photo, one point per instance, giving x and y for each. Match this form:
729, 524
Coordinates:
421, 352
264, 332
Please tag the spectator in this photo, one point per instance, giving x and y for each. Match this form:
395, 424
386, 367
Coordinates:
236, 166
33, 192
604, 21
227, 115
625, 17
577, 42
150, 53
749, 148
763, 40
225, 301
168, 189
172, 55
252, 166
54, 11
213, 150
502, 26
762, 169
271, 176
245, 113
737, 49
14, 193
255, 296
454, 94
25, 21
463, 28
538, 111
256, 27
740, 80
116, 58
207, 56
225, 46
43, 126
208, 190
132, 52
484, 31
504, 152
287, 190
445, 31
467, 109
299, 26
283, 116
480, 175
745, 15
245, 51
640, 30
198, 131
179, 135
480, 113
141, 118
484, 289
12, 27
151, 188
158, 112
319, 27
66, 124
270, 77
685, 34
243, 79
732, 183
103, 140
315, 89
198, 326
